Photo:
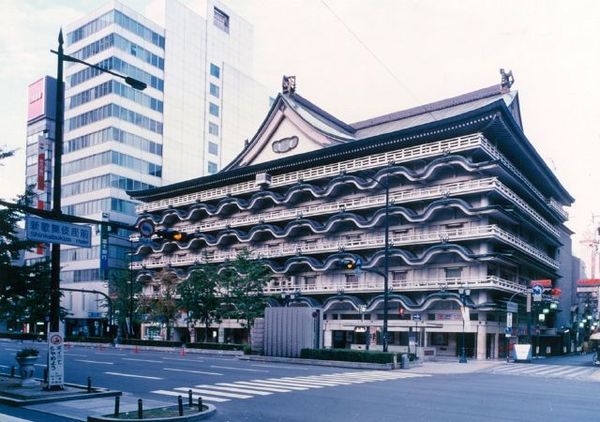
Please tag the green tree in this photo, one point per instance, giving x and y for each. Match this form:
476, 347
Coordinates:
200, 296
124, 292
24, 290
244, 280
162, 306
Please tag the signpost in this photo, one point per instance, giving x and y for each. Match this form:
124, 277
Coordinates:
56, 359
46, 230
537, 292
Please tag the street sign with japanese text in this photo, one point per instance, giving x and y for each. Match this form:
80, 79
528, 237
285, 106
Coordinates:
512, 307
54, 231
509, 320
56, 359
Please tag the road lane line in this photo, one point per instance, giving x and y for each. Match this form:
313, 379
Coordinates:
12, 350
194, 396
74, 354
238, 369
143, 360
259, 386
94, 361
177, 359
191, 371
119, 374
234, 389
214, 393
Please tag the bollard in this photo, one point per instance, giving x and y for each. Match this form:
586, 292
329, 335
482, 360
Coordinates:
190, 402
140, 409
89, 384
12, 371
180, 405
117, 403
46, 374
199, 404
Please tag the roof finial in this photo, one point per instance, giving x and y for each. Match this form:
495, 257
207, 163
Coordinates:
288, 85
507, 79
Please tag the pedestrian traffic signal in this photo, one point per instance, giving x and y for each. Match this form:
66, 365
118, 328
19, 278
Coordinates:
173, 235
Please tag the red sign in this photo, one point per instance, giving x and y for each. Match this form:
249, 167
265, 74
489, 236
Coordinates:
589, 282
543, 283
36, 101
41, 175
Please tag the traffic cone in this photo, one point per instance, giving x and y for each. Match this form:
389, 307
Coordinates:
182, 351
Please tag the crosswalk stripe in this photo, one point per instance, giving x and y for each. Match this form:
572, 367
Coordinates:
316, 381
214, 393
294, 383
220, 386
304, 383
191, 371
194, 396
282, 384
265, 387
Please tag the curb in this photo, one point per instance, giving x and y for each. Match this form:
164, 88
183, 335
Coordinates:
109, 346
189, 418
330, 363
98, 393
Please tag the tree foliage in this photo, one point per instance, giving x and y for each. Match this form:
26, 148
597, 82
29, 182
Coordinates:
163, 307
200, 296
24, 290
124, 292
243, 281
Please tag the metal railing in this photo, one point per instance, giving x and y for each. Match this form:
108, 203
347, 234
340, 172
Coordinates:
363, 242
376, 285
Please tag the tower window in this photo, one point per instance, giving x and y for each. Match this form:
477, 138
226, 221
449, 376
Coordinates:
221, 20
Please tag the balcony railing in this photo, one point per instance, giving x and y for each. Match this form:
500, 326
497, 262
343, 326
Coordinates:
433, 149
364, 242
376, 285
397, 197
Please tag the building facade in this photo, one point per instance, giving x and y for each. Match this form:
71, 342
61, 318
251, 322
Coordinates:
117, 138
474, 216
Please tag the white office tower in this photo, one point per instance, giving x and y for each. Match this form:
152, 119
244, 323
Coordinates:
199, 106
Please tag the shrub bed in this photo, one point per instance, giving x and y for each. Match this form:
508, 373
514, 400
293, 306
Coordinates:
155, 343
216, 346
22, 336
348, 355
89, 339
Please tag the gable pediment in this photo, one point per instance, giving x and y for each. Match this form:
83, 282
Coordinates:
284, 133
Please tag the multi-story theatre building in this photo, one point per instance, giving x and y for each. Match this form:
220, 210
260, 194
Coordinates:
474, 215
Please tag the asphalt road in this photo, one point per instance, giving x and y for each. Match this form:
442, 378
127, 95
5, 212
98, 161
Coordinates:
557, 389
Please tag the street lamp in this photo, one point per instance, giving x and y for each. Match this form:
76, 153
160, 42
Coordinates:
464, 293
58, 148
386, 259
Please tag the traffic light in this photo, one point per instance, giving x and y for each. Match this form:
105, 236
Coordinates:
350, 264
173, 235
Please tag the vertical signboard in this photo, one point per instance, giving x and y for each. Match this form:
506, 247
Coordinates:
104, 248
56, 359
36, 99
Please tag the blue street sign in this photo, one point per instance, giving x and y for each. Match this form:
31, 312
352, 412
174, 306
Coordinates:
537, 290
416, 317
508, 330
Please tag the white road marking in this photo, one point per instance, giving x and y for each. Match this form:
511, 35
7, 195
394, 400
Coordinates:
280, 385
119, 374
234, 389
5, 366
191, 371
143, 360
214, 393
12, 350
177, 359
107, 353
311, 381
195, 397
74, 354
265, 387
7, 418
39, 364
95, 361
294, 383
238, 369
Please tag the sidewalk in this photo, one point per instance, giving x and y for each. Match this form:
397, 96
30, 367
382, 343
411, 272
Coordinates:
79, 410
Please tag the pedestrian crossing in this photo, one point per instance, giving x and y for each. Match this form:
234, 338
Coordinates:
549, 371
226, 391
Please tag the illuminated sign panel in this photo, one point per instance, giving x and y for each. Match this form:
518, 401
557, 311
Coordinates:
36, 99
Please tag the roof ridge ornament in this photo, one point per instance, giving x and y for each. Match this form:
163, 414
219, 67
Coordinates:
507, 79
288, 85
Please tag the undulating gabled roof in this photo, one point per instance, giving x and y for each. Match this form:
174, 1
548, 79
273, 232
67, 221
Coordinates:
338, 140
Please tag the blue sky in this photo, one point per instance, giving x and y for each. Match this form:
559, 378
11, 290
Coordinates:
433, 49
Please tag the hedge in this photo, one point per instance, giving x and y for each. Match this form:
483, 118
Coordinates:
23, 336
82, 339
155, 343
216, 346
348, 355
